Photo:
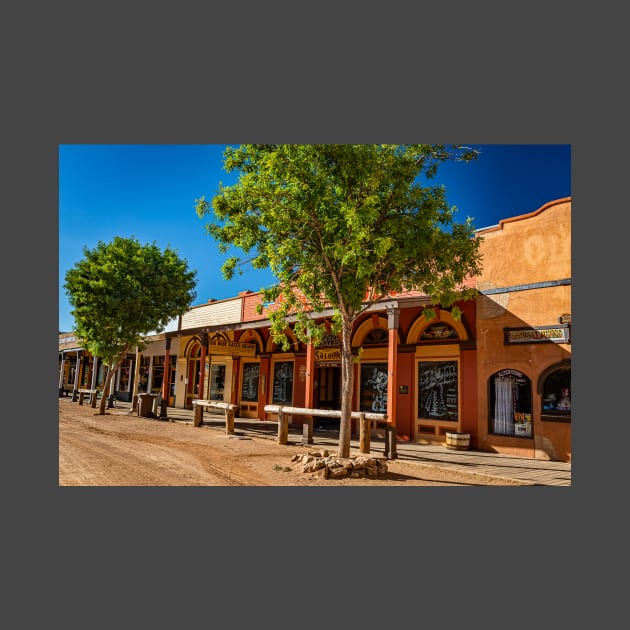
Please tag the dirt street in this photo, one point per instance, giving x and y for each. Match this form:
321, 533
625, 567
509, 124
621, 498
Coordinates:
121, 449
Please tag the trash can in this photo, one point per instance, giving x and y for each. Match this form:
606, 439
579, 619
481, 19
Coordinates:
145, 405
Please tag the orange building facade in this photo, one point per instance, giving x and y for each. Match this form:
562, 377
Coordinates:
500, 373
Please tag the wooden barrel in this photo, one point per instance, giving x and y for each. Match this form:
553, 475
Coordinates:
457, 441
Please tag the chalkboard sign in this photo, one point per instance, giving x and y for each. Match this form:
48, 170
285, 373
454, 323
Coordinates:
374, 387
437, 390
283, 382
249, 387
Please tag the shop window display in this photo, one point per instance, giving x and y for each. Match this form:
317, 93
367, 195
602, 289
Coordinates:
511, 404
556, 394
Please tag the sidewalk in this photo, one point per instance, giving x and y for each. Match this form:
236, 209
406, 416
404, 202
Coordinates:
524, 470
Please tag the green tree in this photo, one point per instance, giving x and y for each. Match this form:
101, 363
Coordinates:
342, 226
122, 291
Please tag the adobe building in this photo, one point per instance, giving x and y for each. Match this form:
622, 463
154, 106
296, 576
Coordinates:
524, 335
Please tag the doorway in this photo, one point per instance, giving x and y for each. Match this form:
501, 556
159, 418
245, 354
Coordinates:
328, 394
329, 387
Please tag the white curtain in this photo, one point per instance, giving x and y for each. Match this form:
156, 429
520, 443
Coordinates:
503, 406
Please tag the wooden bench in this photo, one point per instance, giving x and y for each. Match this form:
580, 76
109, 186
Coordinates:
364, 417
229, 410
80, 394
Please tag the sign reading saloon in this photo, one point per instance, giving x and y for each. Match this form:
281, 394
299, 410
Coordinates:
537, 334
327, 354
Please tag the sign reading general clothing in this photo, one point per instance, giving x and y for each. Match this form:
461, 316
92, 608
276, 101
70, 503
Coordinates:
537, 334
234, 348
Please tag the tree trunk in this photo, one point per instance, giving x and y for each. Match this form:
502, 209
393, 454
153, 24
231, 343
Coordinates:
111, 372
106, 384
347, 378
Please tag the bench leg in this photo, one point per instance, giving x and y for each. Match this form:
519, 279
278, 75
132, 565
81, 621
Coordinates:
307, 430
198, 416
364, 434
229, 421
283, 427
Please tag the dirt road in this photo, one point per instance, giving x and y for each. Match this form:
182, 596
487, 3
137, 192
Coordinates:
120, 449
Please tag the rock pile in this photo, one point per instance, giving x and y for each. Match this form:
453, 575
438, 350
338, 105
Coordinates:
331, 466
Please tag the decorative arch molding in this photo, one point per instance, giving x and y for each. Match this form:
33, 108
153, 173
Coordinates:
422, 323
368, 326
271, 345
253, 336
193, 345
218, 336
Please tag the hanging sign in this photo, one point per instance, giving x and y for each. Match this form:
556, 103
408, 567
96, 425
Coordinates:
327, 354
234, 348
537, 334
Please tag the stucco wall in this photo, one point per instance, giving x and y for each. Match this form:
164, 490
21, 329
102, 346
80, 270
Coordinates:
530, 257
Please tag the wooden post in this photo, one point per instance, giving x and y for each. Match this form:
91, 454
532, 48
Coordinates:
202, 364
307, 430
165, 379
283, 427
93, 397
61, 379
309, 396
229, 420
136, 381
81, 395
197, 415
392, 367
364, 434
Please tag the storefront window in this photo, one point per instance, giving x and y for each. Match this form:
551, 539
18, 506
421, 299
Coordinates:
125, 375
438, 390
283, 382
100, 376
438, 331
374, 387
376, 336
510, 404
158, 374
85, 373
172, 375
556, 394
217, 381
143, 378
249, 387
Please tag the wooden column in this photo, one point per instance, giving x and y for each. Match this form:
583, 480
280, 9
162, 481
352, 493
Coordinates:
309, 398
136, 380
392, 367
77, 369
94, 372
392, 382
165, 379
265, 366
236, 367
63, 363
202, 363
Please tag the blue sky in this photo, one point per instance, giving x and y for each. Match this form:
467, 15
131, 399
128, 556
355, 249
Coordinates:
149, 191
